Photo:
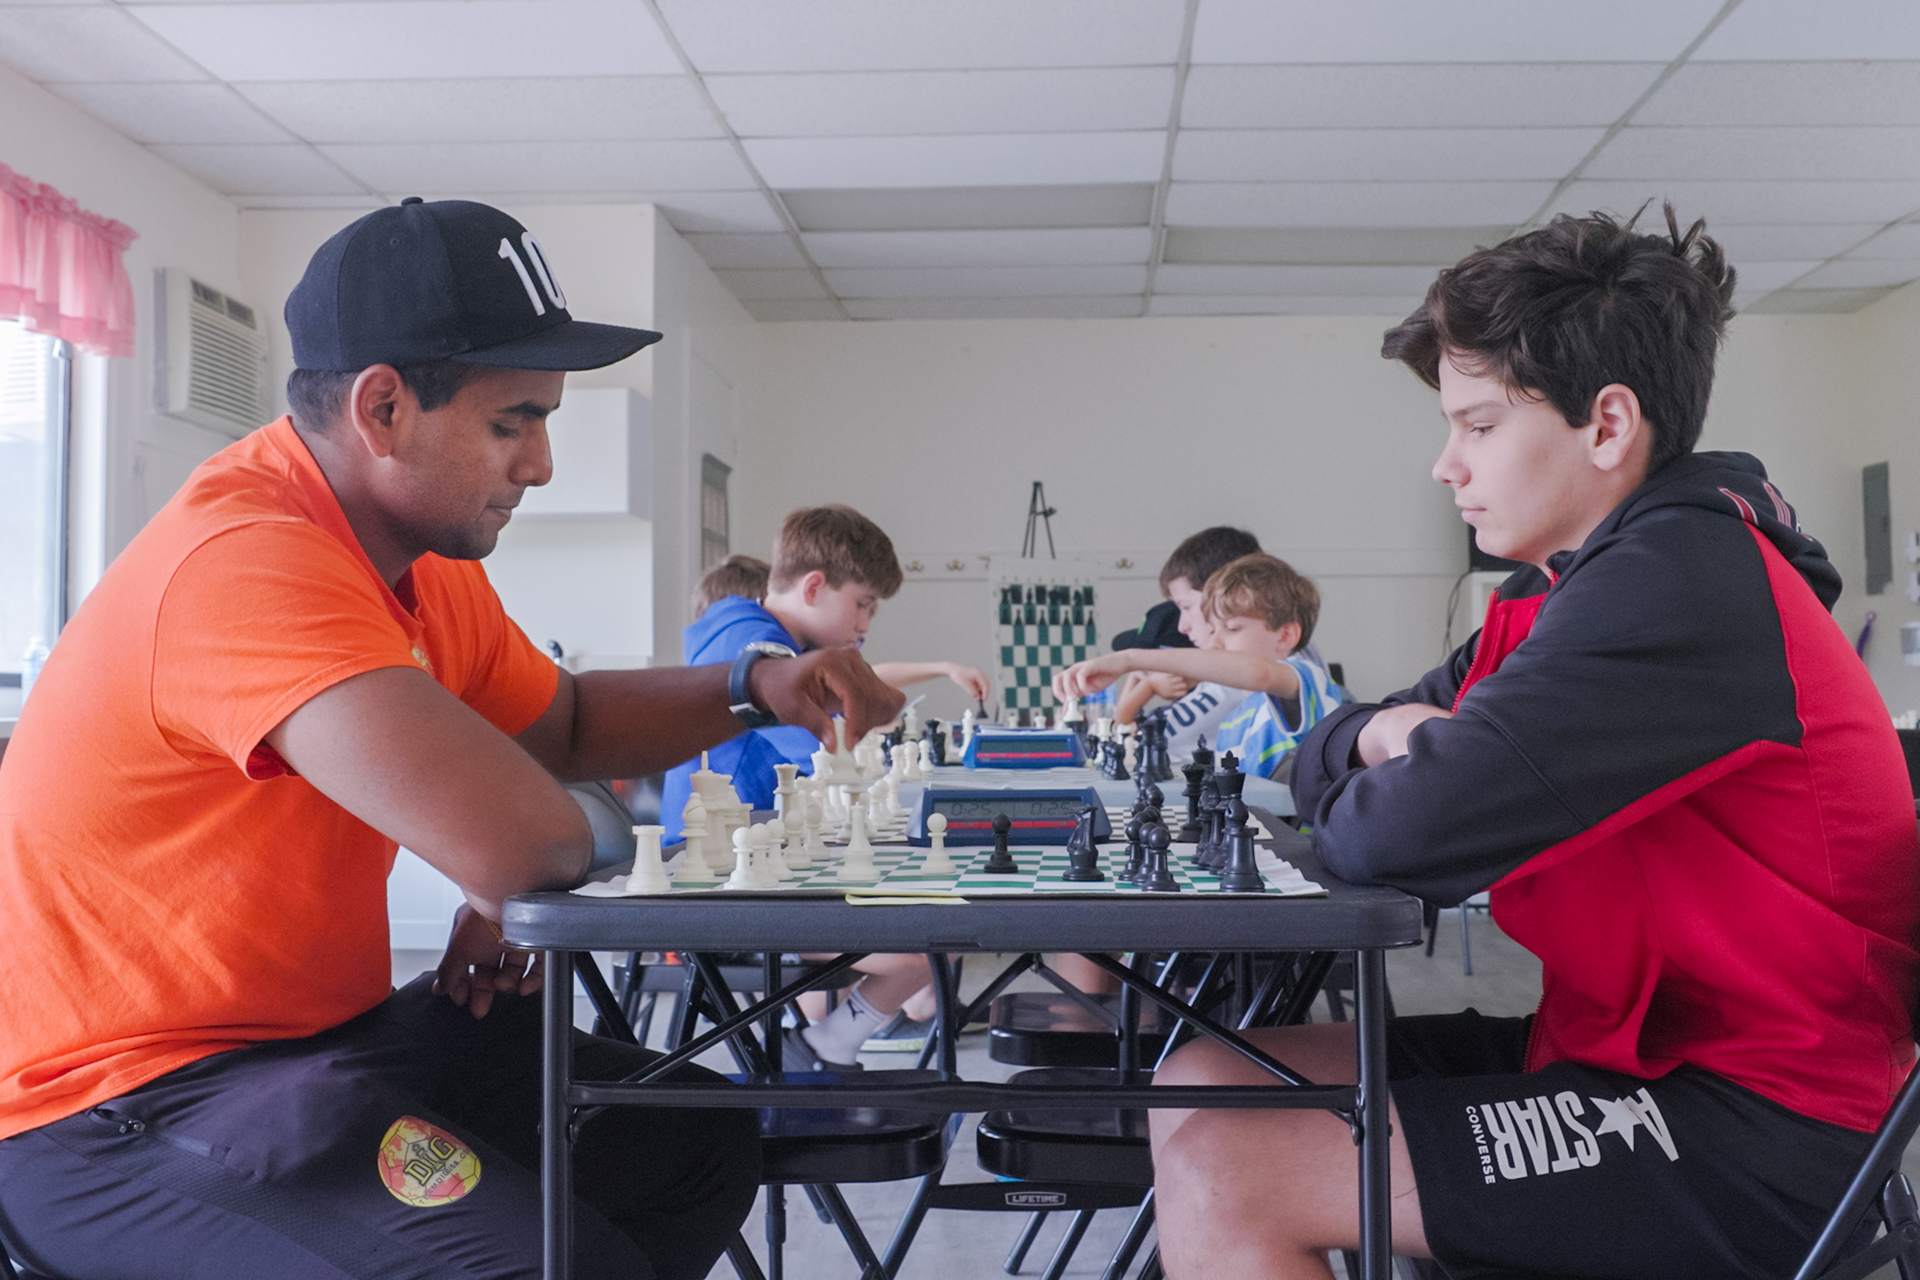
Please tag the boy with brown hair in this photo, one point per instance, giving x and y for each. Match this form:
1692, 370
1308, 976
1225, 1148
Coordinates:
744, 576
1260, 612
1678, 783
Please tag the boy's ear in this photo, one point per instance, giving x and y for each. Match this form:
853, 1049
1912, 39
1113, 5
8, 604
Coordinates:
1289, 634
810, 584
1620, 434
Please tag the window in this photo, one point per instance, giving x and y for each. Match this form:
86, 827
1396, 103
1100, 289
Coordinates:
714, 542
33, 487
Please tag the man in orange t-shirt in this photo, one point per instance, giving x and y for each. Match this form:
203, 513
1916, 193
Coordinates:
295, 667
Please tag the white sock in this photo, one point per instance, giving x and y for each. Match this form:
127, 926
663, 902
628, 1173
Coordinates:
838, 1036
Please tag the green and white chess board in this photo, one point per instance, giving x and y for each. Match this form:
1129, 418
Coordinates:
1041, 626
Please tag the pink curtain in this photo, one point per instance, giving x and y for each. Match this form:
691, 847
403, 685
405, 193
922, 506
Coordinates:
60, 268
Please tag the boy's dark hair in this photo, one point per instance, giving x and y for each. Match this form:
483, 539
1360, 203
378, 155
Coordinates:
734, 576
1264, 587
318, 396
1561, 312
839, 542
1202, 555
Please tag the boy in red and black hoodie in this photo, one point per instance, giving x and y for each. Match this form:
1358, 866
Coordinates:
1682, 789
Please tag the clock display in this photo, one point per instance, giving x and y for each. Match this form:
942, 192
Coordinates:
1038, 817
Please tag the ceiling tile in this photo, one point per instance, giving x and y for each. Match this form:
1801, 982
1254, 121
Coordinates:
570, 109
1053, 247
1301, 305
1462, 31
1757, 203
984, 282
291, 170
1899, 241
1120, 306
1804, 93
1736, 153
362, 203
1765, 277
882, 35
777, 309
1359, 246
1811, 242
1284, 281
966, 160
862, 104
1411, 95
1864, 273
1359, 204
1817, 301
1378, 155
754, 283
719, 211
753, 250
175, 112
971, 208
1795, 29
419, 39
406, 168
97, 43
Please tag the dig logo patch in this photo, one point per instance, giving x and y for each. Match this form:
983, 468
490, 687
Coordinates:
423, 1165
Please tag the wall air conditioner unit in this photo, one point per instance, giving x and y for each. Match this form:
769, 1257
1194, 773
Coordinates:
210, 356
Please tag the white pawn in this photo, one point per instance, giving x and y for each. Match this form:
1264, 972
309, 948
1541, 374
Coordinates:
937, 862
649, 873
858, 864
895, 810
742, 877
926, 757
694, 865
777, 850
800, 852
764, 876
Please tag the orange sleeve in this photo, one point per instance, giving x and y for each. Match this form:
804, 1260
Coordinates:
498, 671
254, 623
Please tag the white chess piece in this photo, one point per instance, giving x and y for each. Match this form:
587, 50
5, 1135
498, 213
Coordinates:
784, 792
909, 725
764, 876
937, 862
694, 866
894, 809
1103, 728
777, 860
649, 872
858, 864
800, 850
926, 758
1073, 714
1132, 741
966, 729
742, 877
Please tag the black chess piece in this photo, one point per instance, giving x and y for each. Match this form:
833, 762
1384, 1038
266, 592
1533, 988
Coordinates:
1154, 795
939, 742
1202, 754
1119, 757
1209, 820
1136, 852
1227, 782
1190, 829
1001, 861
1083, 850
1240, 873
1158, 878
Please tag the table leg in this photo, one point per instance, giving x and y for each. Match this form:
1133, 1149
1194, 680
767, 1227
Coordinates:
1376, 1142
556, 1154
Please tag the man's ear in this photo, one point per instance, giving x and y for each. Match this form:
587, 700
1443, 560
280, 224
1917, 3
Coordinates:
376, 405
1620, 435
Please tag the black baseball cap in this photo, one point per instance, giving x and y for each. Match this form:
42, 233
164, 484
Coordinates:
442, 280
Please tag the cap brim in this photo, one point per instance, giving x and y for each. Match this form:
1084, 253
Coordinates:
577, 344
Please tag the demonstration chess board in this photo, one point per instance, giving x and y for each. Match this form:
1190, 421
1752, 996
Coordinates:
900, 873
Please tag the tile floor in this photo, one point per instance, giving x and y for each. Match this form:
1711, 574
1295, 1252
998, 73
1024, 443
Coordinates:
969, 1246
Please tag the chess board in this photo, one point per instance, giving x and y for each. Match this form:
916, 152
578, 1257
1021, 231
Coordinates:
900, 873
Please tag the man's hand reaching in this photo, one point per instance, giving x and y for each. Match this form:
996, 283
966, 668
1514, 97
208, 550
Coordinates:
810, 689
477, 965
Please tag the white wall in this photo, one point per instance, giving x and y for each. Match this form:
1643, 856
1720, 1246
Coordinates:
128, 458
704, 373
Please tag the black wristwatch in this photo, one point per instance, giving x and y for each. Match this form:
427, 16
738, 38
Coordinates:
737, 691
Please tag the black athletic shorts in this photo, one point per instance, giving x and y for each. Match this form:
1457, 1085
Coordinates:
403, 1143
1572, 1171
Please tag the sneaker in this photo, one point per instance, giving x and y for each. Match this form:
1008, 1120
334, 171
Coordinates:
901, 1034
798, 1054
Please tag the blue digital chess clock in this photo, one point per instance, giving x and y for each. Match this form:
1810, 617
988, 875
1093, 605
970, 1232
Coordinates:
1038, 817
1006, 748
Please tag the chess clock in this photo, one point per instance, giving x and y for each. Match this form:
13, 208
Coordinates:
1004, 748
1038, 817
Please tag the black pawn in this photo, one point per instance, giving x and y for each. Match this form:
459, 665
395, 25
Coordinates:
1117, 758
1002, 859
1083, 854
1240, 874
1158, 879
1202, 754
1190, 829
1154, 795
1136, 852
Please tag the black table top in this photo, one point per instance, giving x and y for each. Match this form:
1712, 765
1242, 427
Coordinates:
1348, 917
